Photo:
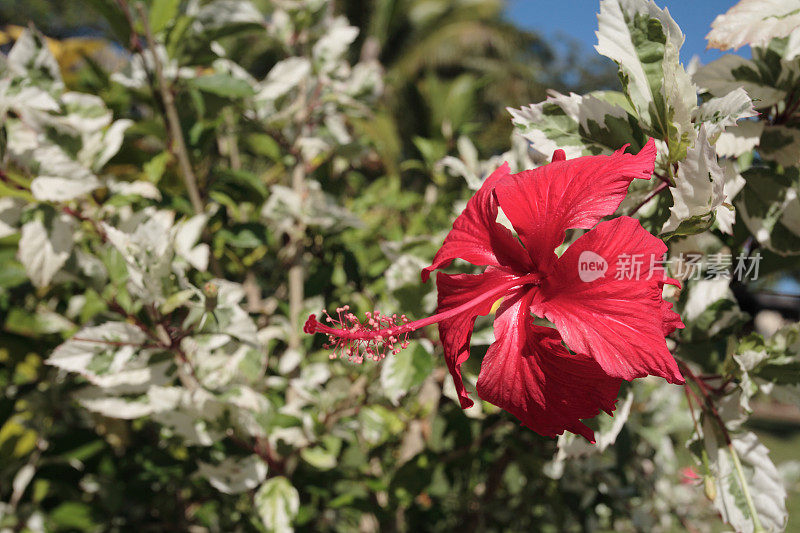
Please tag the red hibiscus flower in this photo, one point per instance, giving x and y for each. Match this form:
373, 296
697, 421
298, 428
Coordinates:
611, 316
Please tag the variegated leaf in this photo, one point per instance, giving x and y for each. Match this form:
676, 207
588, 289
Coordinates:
754, 22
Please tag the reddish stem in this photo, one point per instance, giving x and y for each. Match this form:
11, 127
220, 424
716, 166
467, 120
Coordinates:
661, 186
708, 401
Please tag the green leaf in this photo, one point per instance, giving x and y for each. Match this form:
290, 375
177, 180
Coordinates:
177, 37
162, 13
265, 145
250, 180
241, 237
12, 272
111, 12
431, 149
324, 455
27, 324
72, 516
223, 85
176, 300
85, 451
154, 169
27, 370
17, 440
92, 305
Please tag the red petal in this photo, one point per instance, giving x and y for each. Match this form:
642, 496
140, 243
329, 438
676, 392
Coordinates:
528, 372
670, 319
455, 333
477, 237
544, 202
621, 323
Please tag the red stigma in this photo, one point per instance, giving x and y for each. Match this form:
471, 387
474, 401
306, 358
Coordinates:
311, 325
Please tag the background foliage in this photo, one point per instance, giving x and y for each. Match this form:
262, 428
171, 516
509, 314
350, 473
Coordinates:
178, 191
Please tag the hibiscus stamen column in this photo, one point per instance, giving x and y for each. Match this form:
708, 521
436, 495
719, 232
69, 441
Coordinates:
380, 335
374, 339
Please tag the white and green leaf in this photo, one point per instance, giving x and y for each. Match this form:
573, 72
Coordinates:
780, 144
44, 247
645, 41
579, 125
754, 23
277, 503
99, 351
739, 140
234, 475
698, 194
407, 369
722, 112
770, 208
750, 495
732, 72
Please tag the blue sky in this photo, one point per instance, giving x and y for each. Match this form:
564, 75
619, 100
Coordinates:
578, 19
